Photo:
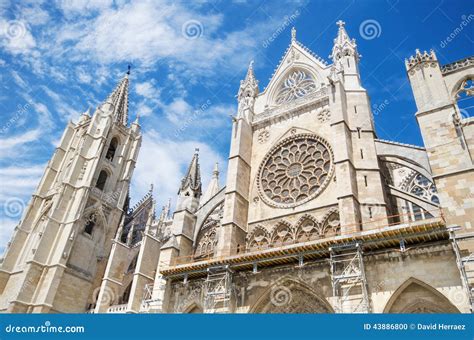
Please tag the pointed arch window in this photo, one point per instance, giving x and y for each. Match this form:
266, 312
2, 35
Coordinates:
90, 224
101, 180
112, 149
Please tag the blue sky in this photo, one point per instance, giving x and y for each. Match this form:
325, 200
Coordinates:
60, 58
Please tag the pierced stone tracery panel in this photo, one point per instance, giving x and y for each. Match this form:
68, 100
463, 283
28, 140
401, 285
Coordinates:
424, 188
295, 171
296, 85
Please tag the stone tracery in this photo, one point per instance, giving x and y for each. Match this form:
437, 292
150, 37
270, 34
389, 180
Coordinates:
296, 85
295, 171
306, 229
424, 188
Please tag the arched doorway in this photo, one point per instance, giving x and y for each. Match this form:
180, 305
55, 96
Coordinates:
193, 309
291, 296
415, 296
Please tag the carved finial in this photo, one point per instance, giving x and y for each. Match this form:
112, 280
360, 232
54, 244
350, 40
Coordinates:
137, 119
196, 150
293, 34
129, 67
151, 188
340, 23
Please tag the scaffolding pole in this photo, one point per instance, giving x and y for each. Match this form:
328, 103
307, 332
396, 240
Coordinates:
348, 279
218, 289
465, 265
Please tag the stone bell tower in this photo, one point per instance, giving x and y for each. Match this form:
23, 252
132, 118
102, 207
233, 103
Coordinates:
447, 135
57, 255
234, 222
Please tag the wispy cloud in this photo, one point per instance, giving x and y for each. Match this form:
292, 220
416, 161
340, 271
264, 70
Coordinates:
163, 162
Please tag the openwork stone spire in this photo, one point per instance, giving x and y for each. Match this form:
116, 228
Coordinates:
343, 45
248, 86
165, 212
192, 180
119, 100
213, 187
248, 90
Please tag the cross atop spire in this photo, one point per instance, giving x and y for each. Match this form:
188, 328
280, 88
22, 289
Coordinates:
293, 34
343, 45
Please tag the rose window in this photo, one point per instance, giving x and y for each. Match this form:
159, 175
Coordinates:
295, 171
298, 84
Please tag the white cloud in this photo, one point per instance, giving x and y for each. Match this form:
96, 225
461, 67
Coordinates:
8, 144
148, 90
83, 76
177, 110
73, 8
67, 112
164, 162
19, 80
33, 14
144, 110
6, 230
16, 37
148, 33
18, 182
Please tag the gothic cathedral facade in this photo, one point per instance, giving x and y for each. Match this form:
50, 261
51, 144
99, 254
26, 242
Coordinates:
317, 214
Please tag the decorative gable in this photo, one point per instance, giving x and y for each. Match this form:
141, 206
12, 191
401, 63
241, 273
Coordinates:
299, 73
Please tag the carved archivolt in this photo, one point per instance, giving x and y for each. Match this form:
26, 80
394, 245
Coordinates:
295, 171
188, 295
306, 229
291, 297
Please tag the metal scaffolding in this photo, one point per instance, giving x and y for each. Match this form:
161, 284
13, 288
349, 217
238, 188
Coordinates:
465, 263
348, 279
147, 299
218, 289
